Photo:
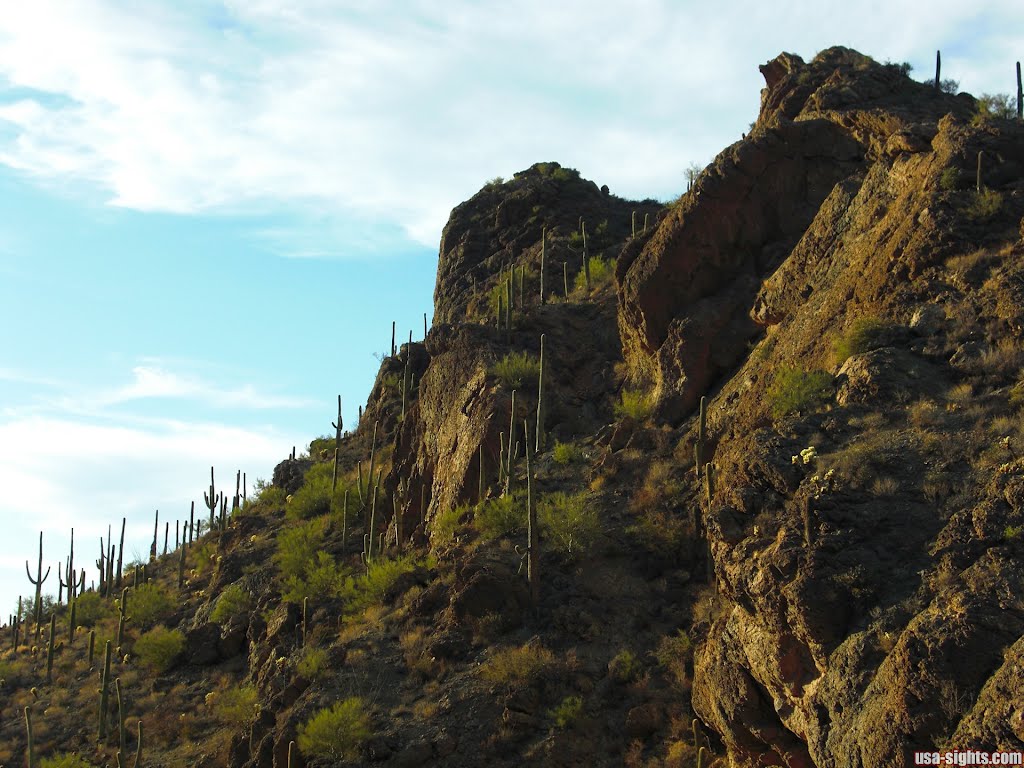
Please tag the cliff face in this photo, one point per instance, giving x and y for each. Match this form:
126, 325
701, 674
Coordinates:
878, 611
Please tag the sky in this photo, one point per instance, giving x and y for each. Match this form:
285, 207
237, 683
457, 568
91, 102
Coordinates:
211, 212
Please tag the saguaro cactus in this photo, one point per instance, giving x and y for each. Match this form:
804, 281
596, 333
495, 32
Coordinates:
532, 530
213, 497
1020, 95
120, 553
30, 749
586, 261
698, 448
121, 746
938, 69
38, 582
511, 456
49, 648
544, 250
540, 399
104, 692
337, 447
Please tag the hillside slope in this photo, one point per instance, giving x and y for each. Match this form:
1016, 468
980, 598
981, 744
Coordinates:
828, 573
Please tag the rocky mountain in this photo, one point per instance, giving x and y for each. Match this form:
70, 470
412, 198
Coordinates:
762, 503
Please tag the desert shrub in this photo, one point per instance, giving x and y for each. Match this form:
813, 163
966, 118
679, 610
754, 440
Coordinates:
517, 370
297, 547
984, 205
233, 601
90, 608
567, 453
337, 731
375, 586
148, 604
205, 550
601, 272
992, 106
323, 576
634, 404
446, 524
313, 499
66, 760
569, 522
312, 663
798, 391
567, 712
661, 485
951, 179
674, 653
624, 667
500, 516
663, 532
1013, 532
517, 665
864, 334
236, 705
159, 647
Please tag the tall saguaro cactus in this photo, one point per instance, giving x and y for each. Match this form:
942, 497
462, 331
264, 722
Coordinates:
544, 247
104, 693
1020, 95
213, 497
532, 530
540, 399
698, 448
38, 582
938, 69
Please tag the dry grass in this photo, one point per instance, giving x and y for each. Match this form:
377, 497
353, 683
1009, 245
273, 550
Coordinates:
510, 666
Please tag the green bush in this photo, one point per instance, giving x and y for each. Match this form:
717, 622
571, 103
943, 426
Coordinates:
1013, 532
674, 653
313, 499
634, 404
380, 578
864, 334
799, 391
66, 760
336, 732
446, 524
568, 711
517, 370
567, 453
148, 604
159, 647
625, 667
322, 577
951, 179
312, 663
236, 705
601, 271
984, 205
90, 608
297, 547
991, 106
569, 522
233, 602
500, 516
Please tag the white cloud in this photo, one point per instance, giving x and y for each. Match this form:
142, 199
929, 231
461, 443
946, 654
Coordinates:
150, 381
398, 111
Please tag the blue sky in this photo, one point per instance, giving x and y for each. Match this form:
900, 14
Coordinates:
210, 212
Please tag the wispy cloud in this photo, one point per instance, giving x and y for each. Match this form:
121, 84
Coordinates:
150, 381
397, 111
